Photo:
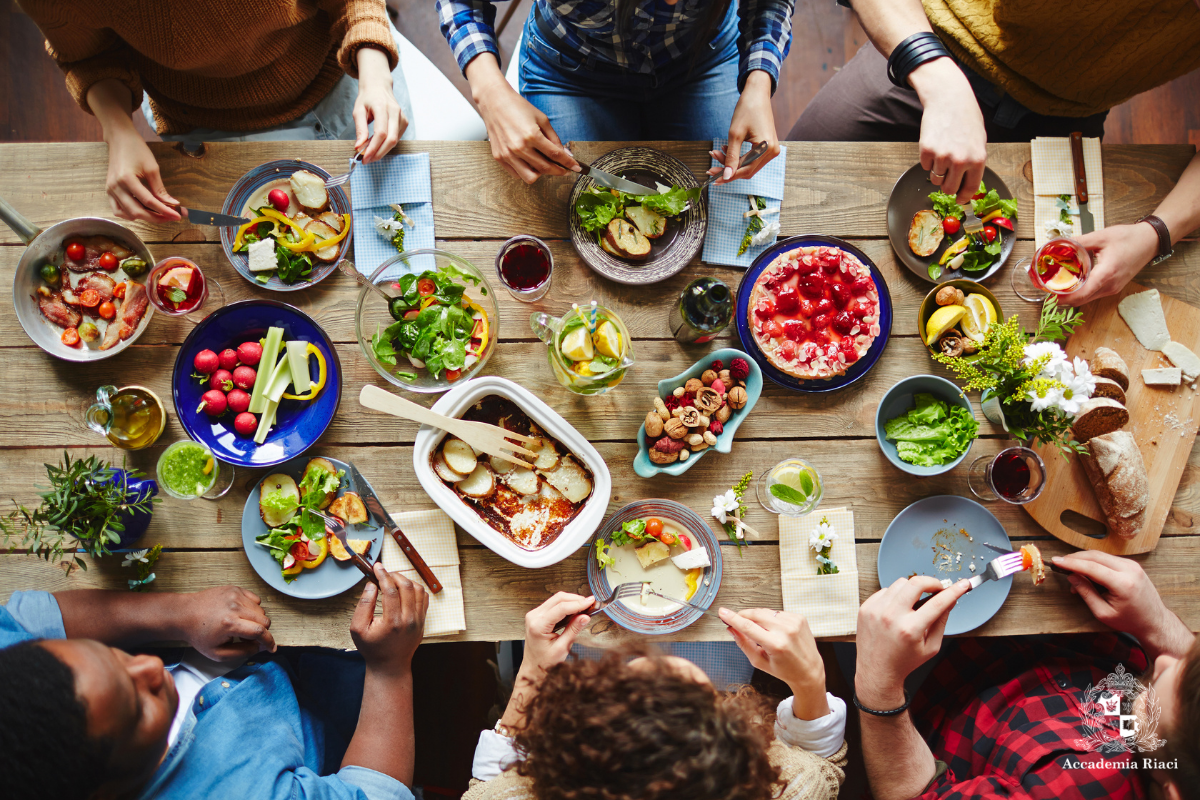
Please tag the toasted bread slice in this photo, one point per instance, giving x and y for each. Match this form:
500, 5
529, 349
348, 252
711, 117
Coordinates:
925, 233
323, 464
309, 191
627, 240
323, 231
651, 553
277, 483
650, 223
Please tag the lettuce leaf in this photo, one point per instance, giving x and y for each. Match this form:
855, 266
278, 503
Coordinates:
276, 541
671, 202
932, 433
945, 205
992, 201
603, 556
318, 482
597, 208
279, 502
632, 531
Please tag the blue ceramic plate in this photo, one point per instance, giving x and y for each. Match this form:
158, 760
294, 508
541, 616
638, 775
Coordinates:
898, 401
245, 188
910, 547
333, 576
860, 367
689, 521
298, 424
646, 468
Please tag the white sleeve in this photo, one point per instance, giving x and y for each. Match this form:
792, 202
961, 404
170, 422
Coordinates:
822, 736
495, 753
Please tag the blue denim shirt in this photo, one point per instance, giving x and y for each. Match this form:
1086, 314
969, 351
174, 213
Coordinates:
244, 737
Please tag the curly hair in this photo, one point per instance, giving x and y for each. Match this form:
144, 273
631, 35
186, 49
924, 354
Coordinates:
604, 731
1183, 741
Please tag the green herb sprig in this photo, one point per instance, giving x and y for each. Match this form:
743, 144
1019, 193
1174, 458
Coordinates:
739, 489
753, 226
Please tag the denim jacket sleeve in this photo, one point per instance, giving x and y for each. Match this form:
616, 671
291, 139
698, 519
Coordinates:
765, 36
30, 615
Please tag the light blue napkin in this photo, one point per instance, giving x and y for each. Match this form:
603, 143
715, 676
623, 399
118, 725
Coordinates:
373, 188
728, 201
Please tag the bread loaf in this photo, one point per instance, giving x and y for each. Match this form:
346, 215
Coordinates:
1107, 363
1107, 387
1117, 473
1098, 416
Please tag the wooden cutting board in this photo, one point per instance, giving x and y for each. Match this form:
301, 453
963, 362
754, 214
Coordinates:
1163, 421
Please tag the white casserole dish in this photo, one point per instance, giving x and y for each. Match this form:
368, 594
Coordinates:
578, 531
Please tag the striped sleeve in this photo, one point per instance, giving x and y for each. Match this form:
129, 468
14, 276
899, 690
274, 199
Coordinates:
468, 26
764, 37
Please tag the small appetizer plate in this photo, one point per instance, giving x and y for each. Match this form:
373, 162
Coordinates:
669, 253
910, 195
332, 577
706, 591
298, 424
898, 400
930, 305
917, 538
646, 468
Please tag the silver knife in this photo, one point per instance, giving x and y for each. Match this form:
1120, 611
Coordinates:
612, 181
1087, 223
684, 603
375, 508
198, 217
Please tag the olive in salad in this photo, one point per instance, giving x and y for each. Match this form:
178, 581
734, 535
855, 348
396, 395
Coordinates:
437, 327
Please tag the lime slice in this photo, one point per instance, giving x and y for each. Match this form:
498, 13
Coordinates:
607, 340
980, 314
577, 345
943, 320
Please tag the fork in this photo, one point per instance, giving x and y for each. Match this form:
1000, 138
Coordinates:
623, 591
997, 568
339, 530
338, 180
490, 439
1053, 567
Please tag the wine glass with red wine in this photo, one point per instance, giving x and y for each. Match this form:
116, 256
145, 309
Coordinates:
1016, 475
525, 266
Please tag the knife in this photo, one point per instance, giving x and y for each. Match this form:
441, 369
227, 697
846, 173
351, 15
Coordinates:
701, 609
338, 529
198, 217
612, 181
371, 500
1087, 223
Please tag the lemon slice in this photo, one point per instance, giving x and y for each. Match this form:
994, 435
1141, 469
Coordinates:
607, 340
577, 345
943, 320
980, 314
1062, 281
802, 479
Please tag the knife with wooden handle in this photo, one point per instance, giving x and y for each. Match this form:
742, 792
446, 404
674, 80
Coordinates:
371, 501
1087, 223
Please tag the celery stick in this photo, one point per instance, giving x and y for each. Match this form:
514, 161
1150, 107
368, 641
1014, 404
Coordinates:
258, 397
266, 422
297, 353
281, 378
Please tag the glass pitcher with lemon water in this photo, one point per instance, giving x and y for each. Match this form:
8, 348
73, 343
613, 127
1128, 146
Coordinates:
589, 348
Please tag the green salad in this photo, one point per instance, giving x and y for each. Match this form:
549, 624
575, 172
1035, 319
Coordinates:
932, 433
597, 207
977, 252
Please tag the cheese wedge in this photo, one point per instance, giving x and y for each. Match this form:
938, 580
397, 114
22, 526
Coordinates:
1143, 314
1185, 359
1166, 376
692, 559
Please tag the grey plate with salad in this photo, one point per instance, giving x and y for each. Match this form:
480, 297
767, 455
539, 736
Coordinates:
925, 228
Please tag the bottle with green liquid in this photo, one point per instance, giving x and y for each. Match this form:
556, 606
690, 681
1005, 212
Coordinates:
702, 312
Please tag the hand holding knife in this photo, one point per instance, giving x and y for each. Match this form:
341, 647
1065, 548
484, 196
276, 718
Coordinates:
377, 512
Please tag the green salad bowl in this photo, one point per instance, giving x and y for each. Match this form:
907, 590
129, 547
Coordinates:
898, 401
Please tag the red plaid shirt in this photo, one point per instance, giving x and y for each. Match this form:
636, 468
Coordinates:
1004, 715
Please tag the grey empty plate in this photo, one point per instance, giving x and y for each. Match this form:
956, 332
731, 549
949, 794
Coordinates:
910, 547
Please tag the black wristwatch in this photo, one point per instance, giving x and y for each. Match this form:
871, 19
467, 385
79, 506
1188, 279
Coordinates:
1165, 250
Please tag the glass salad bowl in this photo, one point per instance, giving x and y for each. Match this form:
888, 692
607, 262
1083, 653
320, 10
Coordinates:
403, 303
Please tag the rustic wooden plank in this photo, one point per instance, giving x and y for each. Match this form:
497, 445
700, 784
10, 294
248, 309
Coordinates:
498, 594
838, 188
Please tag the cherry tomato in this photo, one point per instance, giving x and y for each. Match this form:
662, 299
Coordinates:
119, 290
89, 298
951, 225
426, 287
667, 538
990, 233
654, 527
108, 261
107, 310
453, 374
70, 337
76, 251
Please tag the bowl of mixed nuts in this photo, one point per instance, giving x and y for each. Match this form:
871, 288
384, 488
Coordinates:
697, 411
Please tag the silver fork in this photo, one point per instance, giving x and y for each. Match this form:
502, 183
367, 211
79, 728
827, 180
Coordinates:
338, 180
622, 592
997, 568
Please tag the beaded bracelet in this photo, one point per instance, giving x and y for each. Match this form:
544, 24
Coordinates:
912, 53
891, 713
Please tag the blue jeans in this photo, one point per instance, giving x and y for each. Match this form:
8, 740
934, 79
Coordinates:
689, 99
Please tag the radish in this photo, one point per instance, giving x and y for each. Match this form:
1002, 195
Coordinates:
229, 359
221, 379
243, 377
249, 353
245, 423
206, 362
213, 403
279, 199
239, 401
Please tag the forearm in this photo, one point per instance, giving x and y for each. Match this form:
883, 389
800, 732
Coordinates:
898, 761
112, 104
524, 688
484, 75
1171, 638
809, 700
124, 618
373, 65
1180, 209
384, 739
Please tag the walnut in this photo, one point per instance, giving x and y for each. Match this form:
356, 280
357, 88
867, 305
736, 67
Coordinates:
949, 296
659, 457
738, 397
668, 445
708, 401
694, 439
970, 345
660, 408
710, 438
679, 391
654, 425
691, 417
724, 377
724, 413
693, 385
708, 377
675, 428
952, 343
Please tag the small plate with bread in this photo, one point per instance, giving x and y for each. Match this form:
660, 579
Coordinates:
639, 246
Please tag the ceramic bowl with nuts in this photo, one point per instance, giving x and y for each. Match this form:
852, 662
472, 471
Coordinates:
954, 317
697, 411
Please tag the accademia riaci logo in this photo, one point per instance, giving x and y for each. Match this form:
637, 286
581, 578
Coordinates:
1120, 715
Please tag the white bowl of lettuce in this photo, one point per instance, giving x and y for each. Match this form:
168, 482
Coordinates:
925, 425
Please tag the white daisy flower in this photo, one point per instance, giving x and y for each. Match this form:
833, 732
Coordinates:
388, 226
765, 234
1051, 397
823, 536
1041, 349
724, 505
134, 557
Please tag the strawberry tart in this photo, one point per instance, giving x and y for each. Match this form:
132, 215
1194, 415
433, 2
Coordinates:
814, 311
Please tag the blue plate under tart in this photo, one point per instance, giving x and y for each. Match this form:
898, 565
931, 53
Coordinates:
859, 368
298, 424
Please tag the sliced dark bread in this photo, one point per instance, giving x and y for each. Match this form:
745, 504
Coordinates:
1098, 416
1107, 363
1107, 387
1117, 472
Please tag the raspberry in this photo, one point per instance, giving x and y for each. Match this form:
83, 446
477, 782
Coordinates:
671, 402
718, 365
739, 370
716, 427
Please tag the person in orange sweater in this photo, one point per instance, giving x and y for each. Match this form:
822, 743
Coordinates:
219, 71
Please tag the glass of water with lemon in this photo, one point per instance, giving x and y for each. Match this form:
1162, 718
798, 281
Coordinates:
792, 487
589, 348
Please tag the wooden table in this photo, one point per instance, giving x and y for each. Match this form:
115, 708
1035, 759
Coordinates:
838, 189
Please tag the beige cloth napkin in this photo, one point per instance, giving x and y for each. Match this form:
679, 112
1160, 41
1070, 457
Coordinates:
1053, 175
432, 534
828, 602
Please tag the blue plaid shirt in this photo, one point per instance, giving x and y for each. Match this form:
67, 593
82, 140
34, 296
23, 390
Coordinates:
656, 31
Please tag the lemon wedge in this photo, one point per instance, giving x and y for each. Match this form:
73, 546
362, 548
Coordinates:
607, 340
577, 345
1062, 281
802, 479
980, 314
943, 320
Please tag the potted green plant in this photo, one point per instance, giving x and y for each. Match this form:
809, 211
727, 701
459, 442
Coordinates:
90, 506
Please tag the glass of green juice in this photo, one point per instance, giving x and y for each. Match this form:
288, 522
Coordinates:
187, 470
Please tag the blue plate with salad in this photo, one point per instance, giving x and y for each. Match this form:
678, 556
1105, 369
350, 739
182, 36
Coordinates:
925, 228
299, 231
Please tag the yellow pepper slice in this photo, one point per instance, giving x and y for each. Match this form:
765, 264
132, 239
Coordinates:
320, 384
991, 215
483, 336
693, 582
237, 241
305, 243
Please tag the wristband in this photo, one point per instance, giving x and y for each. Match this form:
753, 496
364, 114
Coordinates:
1165, 250
912, 53
891, 713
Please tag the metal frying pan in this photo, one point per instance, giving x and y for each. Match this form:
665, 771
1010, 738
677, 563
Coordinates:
49, 246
